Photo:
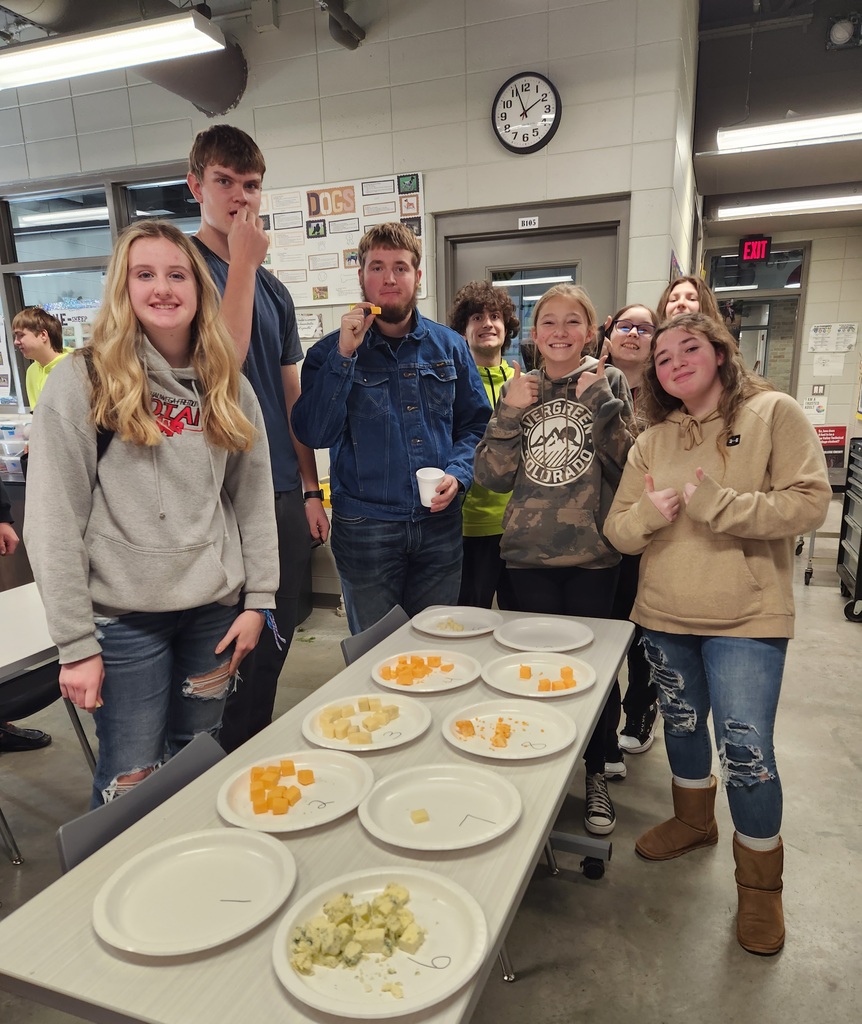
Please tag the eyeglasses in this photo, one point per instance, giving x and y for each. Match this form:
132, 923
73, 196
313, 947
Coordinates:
626, 326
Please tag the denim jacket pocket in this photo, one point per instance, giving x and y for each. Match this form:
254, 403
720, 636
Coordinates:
369, 396
438, 383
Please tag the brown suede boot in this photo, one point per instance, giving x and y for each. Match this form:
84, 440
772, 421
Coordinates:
692, 826
760, 916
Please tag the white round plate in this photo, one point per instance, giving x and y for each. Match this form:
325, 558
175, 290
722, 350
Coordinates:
413, 719
537, 729
465, 670
467, 805
454, 947
504, 674
444, 621
341, 782
555, 633
193, 892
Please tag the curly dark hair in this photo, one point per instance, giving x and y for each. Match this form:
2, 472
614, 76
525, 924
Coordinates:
478, 296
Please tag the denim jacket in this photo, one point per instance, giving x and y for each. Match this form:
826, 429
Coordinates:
385, 413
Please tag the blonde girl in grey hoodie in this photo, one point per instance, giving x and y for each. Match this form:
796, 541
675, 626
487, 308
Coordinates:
149, 510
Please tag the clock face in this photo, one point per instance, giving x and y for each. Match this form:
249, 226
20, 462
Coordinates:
526, 112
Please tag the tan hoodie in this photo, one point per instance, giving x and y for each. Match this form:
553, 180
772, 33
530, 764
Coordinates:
725, 566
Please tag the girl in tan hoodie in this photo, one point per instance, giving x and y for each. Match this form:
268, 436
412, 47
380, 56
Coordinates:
713, 496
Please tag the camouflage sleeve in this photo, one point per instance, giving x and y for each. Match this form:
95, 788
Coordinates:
614, 429
498, 454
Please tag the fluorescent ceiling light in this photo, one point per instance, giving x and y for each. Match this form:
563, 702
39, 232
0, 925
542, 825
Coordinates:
809, 131
796, 285
35, 220
124, 46
829, 204
737, 288
529, 282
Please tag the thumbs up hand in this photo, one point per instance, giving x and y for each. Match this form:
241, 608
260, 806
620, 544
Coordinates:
523, 390
689, 489
666, 501
588, 377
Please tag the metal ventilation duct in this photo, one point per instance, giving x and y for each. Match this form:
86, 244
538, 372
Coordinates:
213, 82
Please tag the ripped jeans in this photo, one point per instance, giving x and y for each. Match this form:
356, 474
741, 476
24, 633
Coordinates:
740, 680
163, 685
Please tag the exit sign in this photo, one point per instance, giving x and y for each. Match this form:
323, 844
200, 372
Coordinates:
754, 249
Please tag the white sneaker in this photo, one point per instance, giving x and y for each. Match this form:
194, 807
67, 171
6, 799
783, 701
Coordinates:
637, 735
616, 771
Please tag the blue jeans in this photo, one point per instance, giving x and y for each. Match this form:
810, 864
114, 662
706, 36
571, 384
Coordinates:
740, 680
383, 563
163, 685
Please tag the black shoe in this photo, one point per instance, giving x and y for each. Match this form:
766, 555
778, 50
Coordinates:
13, 739
638, 733
600, 817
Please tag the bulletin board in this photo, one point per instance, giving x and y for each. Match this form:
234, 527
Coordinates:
314, 231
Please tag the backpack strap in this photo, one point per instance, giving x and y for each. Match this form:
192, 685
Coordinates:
104, 436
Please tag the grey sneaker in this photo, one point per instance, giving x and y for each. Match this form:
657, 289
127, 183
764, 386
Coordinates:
600, 818
616, 771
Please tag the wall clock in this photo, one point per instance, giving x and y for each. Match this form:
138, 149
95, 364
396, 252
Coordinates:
526, 112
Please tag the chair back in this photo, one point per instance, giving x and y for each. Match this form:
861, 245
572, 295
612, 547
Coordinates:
78, 838
353, 647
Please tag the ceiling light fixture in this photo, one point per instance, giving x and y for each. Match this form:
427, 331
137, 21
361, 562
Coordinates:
827, 204
809, 131
530, 281
57, 217
123, 46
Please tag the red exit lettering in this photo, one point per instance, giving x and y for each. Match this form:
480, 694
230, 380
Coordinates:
755, 249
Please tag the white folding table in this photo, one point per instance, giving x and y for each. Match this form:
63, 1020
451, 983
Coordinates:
50, 953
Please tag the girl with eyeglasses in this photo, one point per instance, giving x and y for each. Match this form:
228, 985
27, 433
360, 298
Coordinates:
628, 337
558, 440
714, 494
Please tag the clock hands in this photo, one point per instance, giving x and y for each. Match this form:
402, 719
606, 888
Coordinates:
523, 108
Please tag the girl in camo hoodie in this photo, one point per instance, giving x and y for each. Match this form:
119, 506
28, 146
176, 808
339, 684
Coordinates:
558, 440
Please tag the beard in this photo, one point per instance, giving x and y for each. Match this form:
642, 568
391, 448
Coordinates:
395, 312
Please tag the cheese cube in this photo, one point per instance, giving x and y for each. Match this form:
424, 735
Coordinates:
293, 795
434, 660
447, 668
544, 686
256, 788
419, 815
360, 736
280, 806
328, 730
559, 684
566, 672
392, 711
362, 704
374, 704
288, 768
348, 710
260, 805
372, 940
465, 727
411, 938
257, 772
371, 722
525, 672
341, 727
305, 776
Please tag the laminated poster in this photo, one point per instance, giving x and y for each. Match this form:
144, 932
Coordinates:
814, 408
832, 337
314, 232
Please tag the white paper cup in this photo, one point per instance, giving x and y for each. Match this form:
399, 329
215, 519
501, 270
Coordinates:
429, 480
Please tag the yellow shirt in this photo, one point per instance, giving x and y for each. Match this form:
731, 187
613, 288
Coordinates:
37, 374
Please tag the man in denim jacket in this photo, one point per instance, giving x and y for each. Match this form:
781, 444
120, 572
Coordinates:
390, 393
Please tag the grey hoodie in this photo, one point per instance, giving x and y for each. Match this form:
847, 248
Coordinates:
147, 529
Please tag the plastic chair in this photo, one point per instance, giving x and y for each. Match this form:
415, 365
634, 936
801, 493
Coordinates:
28, 694
353, 647
82, 836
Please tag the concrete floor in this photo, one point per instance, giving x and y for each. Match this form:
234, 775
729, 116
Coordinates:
652, 943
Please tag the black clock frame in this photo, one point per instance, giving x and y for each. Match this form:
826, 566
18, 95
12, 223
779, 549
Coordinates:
524, 150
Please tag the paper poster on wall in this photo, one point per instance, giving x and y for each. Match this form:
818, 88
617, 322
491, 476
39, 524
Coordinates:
309, 325
834, 442
5, 364
814, 408
828, 365
832, 337
314, 231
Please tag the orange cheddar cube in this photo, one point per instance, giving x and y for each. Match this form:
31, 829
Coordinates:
288, 768
256, 772
559, 684
280, 806
544, 686
403, 659
305, 776
434, 660
567, 672
525, 672
270, 777
465, 727
447, 668
404, 680
256, 788
260, 805
293, 795
498, 740
386, 673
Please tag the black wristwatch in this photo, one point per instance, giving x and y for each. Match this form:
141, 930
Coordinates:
312, 494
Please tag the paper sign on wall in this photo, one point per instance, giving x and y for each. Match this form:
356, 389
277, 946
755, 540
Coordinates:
832, 337
814, 408
828, 365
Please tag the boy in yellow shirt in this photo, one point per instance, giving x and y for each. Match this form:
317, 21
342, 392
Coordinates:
38, 336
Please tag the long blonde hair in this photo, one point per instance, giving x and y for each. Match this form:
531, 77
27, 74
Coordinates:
738, 383
121, 399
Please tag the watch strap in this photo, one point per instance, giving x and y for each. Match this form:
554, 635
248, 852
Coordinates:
312, 494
